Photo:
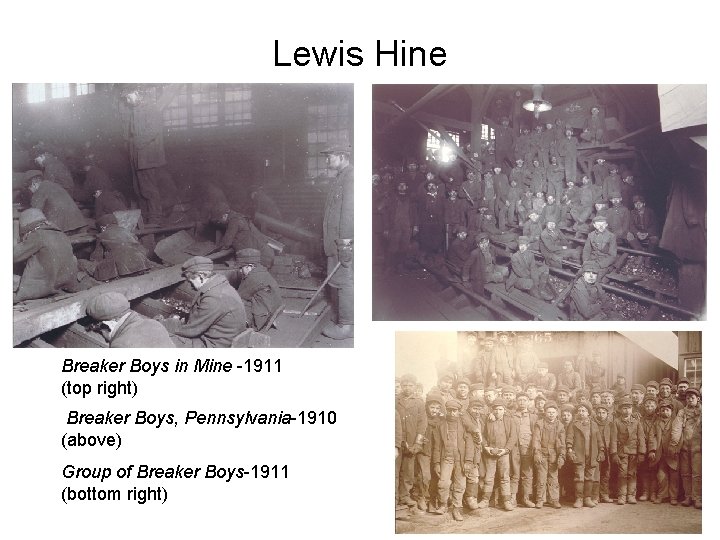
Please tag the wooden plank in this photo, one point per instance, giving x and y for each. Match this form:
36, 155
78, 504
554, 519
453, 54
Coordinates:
35, 321
454, 123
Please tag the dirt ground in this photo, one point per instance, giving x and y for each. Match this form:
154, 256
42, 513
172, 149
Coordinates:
608, 518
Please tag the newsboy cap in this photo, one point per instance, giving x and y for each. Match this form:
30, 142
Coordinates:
247, 256
106, 306
453, 404
197, 264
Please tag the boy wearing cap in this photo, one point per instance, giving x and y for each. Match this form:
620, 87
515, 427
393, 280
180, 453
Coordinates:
618, 217
414, 425
588, 300
425, 489
601, 489
526, 362
499, 439
258, 289
527, 274
585, 450
123, 328
455, 210
555, 246
51, 265
611, 183
661, 457
521, 458
459, 250
57, 204
462, 393
567, 150
570, 378
665, 392
453, 451
620, 386
643, 225
504, 360
217, 314
647, 471
601, 245
563, 397
532, 229
627, 449
399, 218
548, 451
544, 380
476, 475
637, 393
686, 440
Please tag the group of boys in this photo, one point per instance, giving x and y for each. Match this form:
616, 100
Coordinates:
460, 212
473, 444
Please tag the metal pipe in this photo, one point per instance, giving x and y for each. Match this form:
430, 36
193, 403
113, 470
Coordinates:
286, 229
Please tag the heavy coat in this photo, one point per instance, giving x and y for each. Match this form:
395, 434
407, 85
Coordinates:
338, 221
217, 316
261, 295
627, 437
552, 449
600, 247
413, 417
50, 265
137, 331
619, 221
474, 269
456, 212
575, 441
551, 245
660, 443
109, 202
58, 206
118, 253
644, 222
55, 170
510, 433
588, 301
439, 442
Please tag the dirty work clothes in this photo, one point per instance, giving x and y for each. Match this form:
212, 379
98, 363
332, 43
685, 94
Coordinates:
58, 206
137, 331
217, 316
261, 295
51, 265
56, 171
109, 202
118, 253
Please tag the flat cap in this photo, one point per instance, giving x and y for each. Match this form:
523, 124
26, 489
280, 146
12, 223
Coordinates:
477, 386
666, 403
684, 380
601, 406
433, 397
197, 264
453, 404
499, 402
247, 256
599, 218
591, 266
665, 381
551, 405
653, 384
524, 239
638, 387
693, 390
106, 306
107, 219
625, 402
567, 407
562, 388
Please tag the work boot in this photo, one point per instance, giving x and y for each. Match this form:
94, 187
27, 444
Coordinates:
653, 498
621, 499
545, 294
587, 501
587, 492
539, 504
527, 503
643, 497
485, 499
698, 504
441, 510
687, 502
471, 503
422, 505
457, 514
605, 498
508, 506
673, 502
339, 331
556, 505
432, 508
631, 499
579, 488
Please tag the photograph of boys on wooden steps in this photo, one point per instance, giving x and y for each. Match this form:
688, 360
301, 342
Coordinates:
539, 202
182, 215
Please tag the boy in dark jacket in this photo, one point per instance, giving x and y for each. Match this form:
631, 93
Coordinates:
601, 491
659, 455
453, 451
499, 439
586, 450
548, 445
627, 448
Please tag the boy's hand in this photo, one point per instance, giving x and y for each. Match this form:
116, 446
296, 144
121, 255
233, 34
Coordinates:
615, 459
436, 468
652, 455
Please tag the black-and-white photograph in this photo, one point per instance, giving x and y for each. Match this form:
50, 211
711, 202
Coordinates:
548, 432
539, 202
182, 215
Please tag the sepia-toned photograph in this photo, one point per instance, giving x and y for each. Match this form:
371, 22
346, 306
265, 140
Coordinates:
539, 202
182, 215
548, 432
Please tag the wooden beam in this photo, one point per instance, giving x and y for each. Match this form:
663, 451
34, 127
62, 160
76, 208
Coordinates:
637, 132
432, 95
386, 108
36, 321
